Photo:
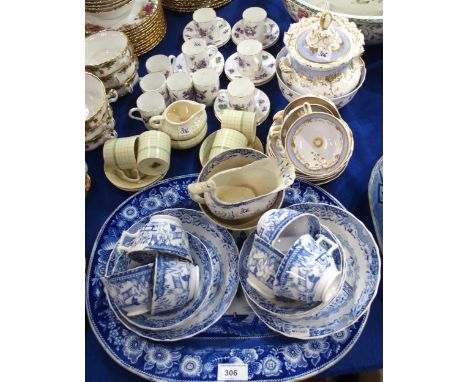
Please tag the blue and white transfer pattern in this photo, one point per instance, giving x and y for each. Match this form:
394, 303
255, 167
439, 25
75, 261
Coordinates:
376, 199
235, 337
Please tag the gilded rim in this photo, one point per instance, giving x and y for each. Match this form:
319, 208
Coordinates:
104, 101
97, 66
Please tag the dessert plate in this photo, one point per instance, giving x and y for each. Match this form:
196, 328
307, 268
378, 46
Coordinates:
238, 336
357, 291
190, 31
238, 33
279, 306
262, 105
164, 321
375, 193
216, 62
267, 73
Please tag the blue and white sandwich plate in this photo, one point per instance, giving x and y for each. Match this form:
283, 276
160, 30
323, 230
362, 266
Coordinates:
361, 278
237, 336
376, 199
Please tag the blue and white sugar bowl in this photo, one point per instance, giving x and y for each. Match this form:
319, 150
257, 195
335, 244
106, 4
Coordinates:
307, 273
162, 234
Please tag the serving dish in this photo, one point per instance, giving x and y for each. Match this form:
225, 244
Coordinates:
237, 336
367, 14
375, 194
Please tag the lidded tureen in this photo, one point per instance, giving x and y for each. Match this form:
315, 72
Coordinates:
324, 55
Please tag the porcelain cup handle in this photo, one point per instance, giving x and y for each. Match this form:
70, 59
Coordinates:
131, 114
307, 108
284, 66
195, 189
112, 95
155, 122
212, 50
124, 236
275, 131
330, 244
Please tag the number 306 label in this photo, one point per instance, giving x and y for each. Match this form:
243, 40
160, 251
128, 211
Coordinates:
233, 372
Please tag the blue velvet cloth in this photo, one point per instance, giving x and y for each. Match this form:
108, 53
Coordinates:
364, 116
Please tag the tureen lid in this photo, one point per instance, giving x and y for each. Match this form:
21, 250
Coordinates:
324, 41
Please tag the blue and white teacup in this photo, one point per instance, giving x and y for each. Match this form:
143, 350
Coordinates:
308, 272
131, 290
262, 265
282, 227
175, 283
162, 234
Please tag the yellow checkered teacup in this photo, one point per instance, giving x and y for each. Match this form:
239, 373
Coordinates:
242, 121
154, 153
227, 139
121, 153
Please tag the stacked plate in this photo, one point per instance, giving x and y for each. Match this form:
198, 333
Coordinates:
314, 138
142, 21
192, 5
99, 117
301, 294
99, 6
167, 276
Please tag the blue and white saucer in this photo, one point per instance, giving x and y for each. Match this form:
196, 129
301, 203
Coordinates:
267, 73
262, 105
278, 306
238, 33
216, 62
164, 321
375, 192
190, 31
238, 336
357, 290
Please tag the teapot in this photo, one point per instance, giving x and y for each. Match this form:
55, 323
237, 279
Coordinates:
324, 55
181, 120
244, 192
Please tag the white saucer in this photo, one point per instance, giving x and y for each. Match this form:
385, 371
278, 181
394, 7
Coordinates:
217, 63
262, 105
190, 31
238, 33
268, 70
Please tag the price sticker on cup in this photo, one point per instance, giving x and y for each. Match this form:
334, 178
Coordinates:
185, 130
233, 372
324, 54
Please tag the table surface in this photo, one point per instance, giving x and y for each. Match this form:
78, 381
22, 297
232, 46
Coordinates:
364, 116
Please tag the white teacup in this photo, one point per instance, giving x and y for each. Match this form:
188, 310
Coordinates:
149, 104
179, 86
206, 23
160, 63
198, 54
241, 94
206, 85
254, 22
155, 82
249, 53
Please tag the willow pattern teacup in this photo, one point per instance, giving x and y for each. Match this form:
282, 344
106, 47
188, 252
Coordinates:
175, 283
307, 273
162, 234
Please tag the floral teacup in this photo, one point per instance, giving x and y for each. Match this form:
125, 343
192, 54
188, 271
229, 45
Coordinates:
198, 54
